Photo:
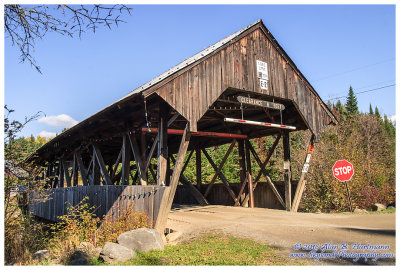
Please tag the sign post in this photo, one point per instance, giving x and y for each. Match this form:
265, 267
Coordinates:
344, 171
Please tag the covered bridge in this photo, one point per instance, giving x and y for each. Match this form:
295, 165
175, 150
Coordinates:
244, 86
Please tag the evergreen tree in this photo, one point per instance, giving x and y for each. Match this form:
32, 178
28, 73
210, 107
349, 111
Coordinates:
341, 109
329, 105
377, 112
351, 103
371, 111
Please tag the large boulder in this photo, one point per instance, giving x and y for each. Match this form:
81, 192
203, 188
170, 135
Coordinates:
114, 253
79, 257
141, 240
173, 238
378, 207
360, 211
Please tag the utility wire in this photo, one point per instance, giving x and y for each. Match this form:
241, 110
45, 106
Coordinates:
355, 69
370, 90
332, 96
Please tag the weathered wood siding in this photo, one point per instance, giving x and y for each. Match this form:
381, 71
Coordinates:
263, 195
108, 200
192, 91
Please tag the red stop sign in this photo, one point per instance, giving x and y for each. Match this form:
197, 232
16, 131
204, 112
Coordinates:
343, 170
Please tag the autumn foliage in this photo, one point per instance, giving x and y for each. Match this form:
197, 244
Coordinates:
366, 142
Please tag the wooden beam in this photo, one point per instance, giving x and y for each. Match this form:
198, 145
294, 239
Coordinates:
187, 161
242, 167
287, 175
102, 165
60, 173
198, 168
264, 171
169, 193
67, 176
74, 171
126, 159
200, 133
219, 172
95, 171
115, 167
151, 153
195, 192
162, 153
302, 182
82, 169
219, 168
249, 176
262, 168
138, 159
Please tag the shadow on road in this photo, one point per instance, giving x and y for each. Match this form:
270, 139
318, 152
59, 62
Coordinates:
373, 231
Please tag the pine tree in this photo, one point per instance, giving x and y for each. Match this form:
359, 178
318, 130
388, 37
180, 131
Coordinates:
377, 112
351, 103
340, 108
371, 111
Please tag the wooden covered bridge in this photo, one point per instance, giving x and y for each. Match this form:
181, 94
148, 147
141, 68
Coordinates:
244, 86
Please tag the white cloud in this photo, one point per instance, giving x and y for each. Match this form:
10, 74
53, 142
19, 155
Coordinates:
392, 119
47, 134
61, 120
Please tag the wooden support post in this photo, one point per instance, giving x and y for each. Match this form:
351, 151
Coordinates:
60, 174
169, 171
249, 176
264, 171
242, 166
195, 192
287, 170
95, 171
198, 168
221, 176
66, 172
169, 193
126, 159
82, 169
138, 159
75, 171
219, 168
102, 165
143, 149
162, 154
115, 179
302, 182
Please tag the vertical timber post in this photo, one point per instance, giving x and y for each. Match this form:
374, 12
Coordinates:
198, 168
169, 193
287, 170
162, 155
302, 182
75, 171
96, 170
249, 177
125, 161
242, 164
143, 149
61, 174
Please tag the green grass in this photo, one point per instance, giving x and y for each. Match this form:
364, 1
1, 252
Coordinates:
392, 210
216, 249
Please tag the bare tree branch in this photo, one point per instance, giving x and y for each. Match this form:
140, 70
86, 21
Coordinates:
25, 24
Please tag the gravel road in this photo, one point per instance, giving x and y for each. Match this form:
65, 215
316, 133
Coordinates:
295, 232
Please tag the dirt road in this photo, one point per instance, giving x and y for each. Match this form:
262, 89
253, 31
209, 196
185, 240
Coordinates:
285, 229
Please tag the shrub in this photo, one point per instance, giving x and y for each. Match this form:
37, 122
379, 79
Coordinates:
82, 225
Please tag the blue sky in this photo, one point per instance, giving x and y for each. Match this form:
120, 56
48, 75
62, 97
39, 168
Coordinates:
334, 46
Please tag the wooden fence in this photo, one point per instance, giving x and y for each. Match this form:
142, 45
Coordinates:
109, 200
